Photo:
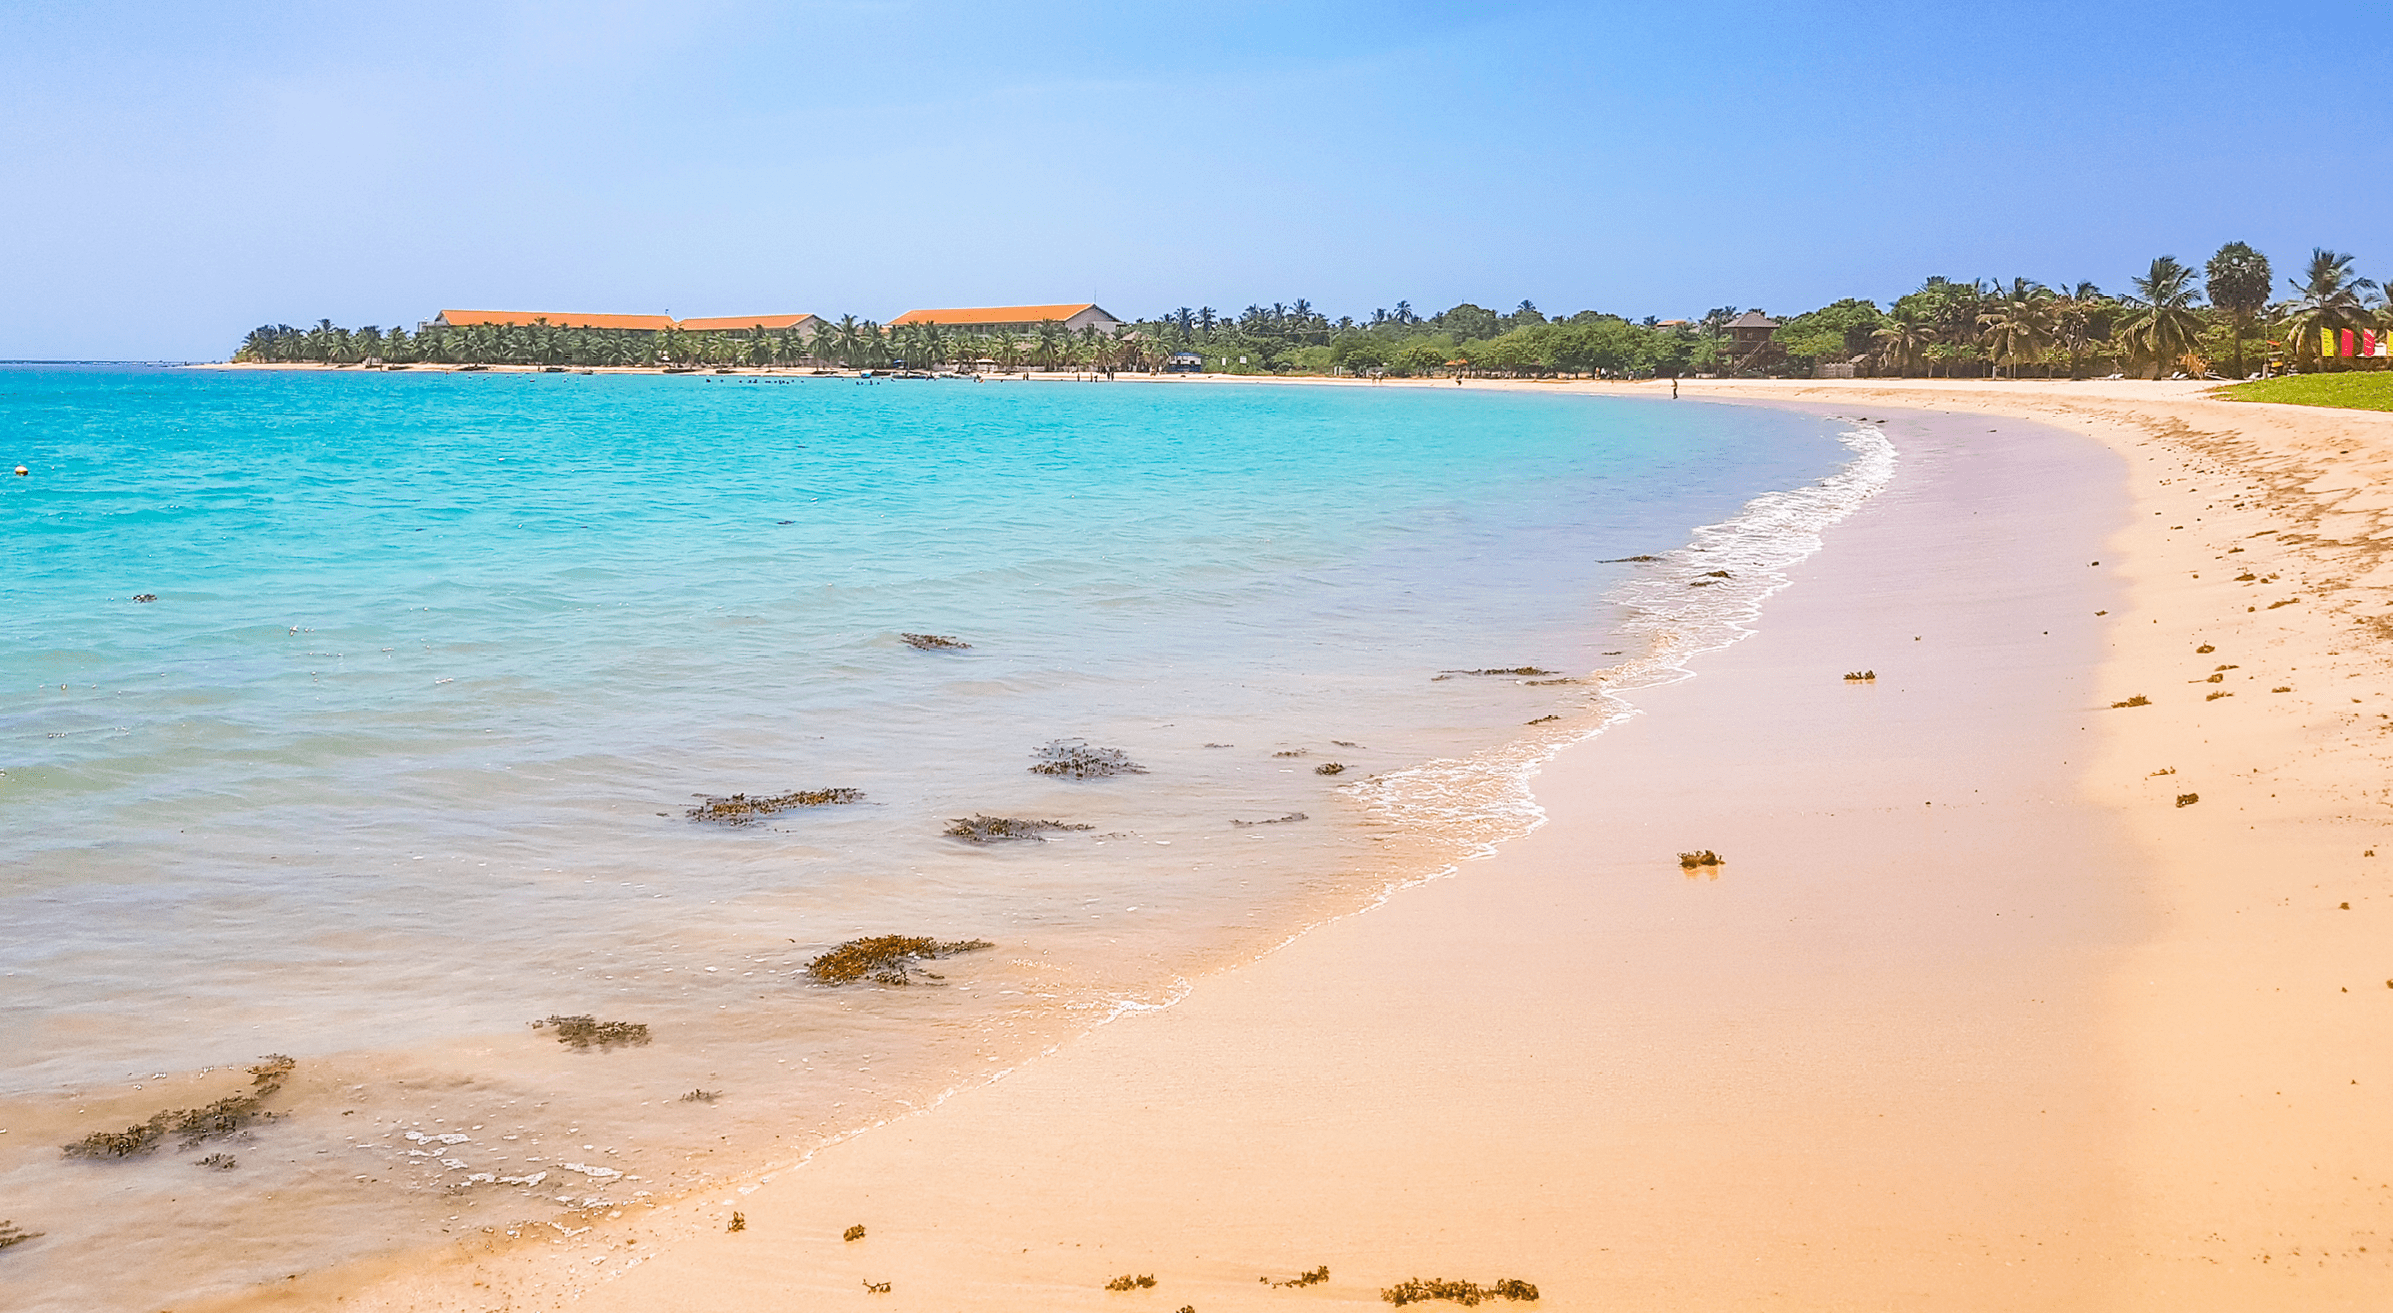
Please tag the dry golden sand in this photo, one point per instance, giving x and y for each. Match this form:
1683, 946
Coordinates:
1975, 1018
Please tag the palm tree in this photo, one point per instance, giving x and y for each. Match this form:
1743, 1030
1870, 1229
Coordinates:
1902, 339
2330, 297
2163, 323
2015, 325
2238, 282
2082, 317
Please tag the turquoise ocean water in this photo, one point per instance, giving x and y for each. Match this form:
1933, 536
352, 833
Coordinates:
397, 761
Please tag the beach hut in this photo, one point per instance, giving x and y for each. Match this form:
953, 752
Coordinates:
1747, 342
1185, 362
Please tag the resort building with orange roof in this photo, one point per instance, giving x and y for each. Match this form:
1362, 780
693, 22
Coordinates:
1014, 318
526, 319
806, 325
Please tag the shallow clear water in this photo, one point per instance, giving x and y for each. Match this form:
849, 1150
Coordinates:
398, 759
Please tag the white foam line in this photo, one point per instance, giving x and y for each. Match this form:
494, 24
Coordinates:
1488, 794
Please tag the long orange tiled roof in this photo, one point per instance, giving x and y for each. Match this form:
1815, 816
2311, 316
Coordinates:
737, 322
462, 318
994, 314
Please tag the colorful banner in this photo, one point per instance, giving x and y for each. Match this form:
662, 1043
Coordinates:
2370, 343
2329, 343
2346, 341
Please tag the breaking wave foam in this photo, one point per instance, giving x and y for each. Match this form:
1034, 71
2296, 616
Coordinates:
1480, 801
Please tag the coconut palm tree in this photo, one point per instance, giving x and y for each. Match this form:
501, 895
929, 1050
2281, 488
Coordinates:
2163, 323
2082, 317
2328, 298
1903, 339
2016, 324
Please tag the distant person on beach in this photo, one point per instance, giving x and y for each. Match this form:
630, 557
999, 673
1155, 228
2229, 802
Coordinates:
1676, 387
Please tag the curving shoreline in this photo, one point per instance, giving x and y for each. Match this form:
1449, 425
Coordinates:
1855, 1114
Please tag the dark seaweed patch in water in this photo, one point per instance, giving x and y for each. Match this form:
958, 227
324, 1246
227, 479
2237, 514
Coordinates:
223, 1117
1001, 829
1621, 560
1275, 820
741, 809
1543, 720
886, 959
1343, 743
1329, 768
1415, 1290
583, 1032
1293, 752
1512, 670
11, 1234
934, 642
1076, 759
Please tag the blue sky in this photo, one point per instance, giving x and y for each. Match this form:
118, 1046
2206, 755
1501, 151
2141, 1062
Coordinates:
179, 173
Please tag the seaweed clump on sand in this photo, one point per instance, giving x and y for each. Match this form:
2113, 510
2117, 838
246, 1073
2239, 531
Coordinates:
885, 959
11, 1234
1415, 1290
978, 828
223, 1117
856, 1232
741, 809
1077, 760
702, 1096
1274, 820
1512, 670
2184, 800
1315, 1278
935, 642
1862, 676
585, 1031
1692, 861
1130, 1282
223, 1162
2135, 700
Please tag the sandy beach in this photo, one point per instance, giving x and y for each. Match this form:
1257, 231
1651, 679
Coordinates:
2006, 996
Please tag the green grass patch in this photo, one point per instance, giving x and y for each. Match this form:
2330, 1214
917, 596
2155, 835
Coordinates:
2352, 391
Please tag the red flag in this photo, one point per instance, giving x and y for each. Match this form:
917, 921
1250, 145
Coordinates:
2346, 341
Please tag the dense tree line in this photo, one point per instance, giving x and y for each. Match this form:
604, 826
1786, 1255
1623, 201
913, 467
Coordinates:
850, 343
2173, 320
2169, 322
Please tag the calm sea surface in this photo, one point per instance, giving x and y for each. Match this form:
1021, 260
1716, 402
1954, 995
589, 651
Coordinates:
399, 758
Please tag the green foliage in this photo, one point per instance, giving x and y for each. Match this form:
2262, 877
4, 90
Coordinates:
2354, 390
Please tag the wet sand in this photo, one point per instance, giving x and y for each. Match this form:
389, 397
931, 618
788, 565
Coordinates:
1974, 1017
